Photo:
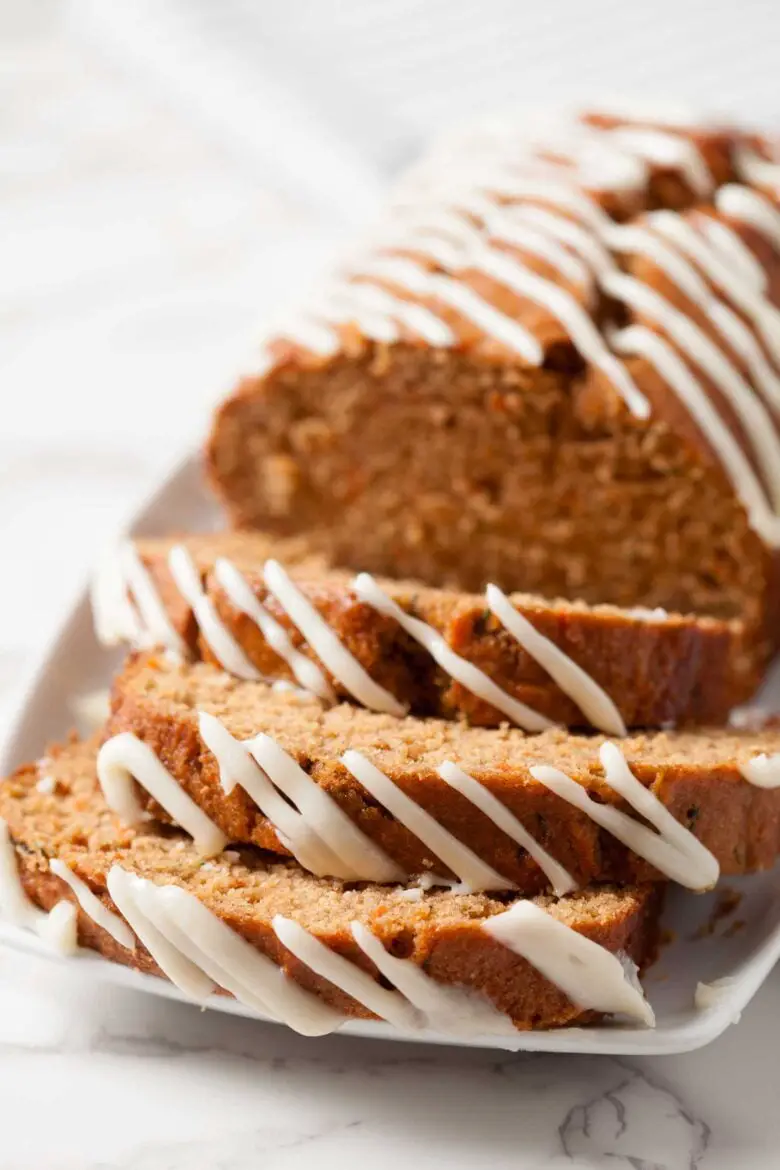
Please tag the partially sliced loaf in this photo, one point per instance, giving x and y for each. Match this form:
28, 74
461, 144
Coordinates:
695, 775
55, 813
489, 396
658, 669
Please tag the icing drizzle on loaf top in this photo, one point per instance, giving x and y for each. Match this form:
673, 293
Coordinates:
491, 220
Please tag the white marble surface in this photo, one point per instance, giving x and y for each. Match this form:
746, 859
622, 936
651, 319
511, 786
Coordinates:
135, 259
120, 1080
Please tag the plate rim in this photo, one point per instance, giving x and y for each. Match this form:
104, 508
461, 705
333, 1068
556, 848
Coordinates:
706, 1026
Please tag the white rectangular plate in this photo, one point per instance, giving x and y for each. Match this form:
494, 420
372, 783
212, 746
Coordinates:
739, 950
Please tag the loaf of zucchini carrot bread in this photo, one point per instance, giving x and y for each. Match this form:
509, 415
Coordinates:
554, 366
425, 737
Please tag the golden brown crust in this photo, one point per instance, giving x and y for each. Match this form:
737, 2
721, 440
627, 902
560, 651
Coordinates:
683, 670
695, 775
440, 933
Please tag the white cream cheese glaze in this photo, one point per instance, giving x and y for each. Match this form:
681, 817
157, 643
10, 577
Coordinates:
645, 242
364, 859
584, 244
560, 880
732, 248
229, 960
529, 237
224, 646
415, 318
341, 664
592, 700
668, 150
575, 320
592, 977
453, 1011
463, 671
549, 186
238, 766
321, 837
126, 890
57, 927
757, 170
756, 420
750, 207
763, 771
93, 907
473, 873
376, 313
199, 953
727, 262
501, 202
125, 759
388, 1005
669, 846
126, 605
460, 212
727, 278
324, 840
238, 592
408, 275
639, 340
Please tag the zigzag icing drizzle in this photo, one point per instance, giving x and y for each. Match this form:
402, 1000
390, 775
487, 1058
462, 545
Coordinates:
591, 698
324, 840
200, 953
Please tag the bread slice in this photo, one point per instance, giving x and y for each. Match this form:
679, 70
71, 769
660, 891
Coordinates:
492, 395
428, 942
696, 776
658, 669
